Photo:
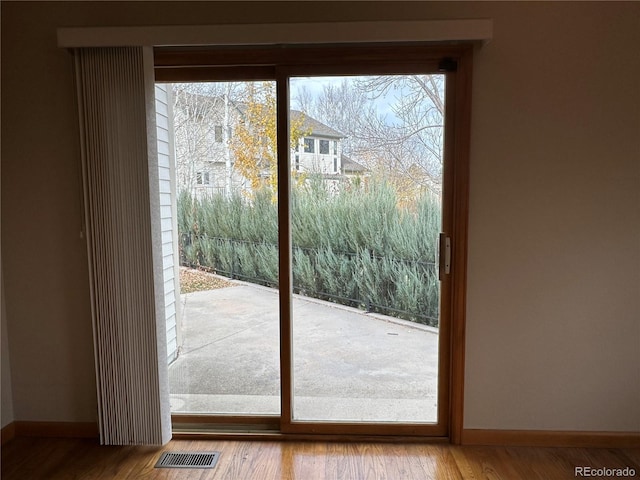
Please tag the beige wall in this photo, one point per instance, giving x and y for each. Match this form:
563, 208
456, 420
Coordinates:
553, 326
554, 252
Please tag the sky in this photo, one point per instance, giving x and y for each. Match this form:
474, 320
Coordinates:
316, 86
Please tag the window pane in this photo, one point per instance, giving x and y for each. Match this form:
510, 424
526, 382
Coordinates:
308, 145
366, 290
227, 338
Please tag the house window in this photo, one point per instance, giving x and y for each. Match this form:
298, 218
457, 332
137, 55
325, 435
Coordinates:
324, 147
335, 164
202, 178
335, 147
309, 145
218, 133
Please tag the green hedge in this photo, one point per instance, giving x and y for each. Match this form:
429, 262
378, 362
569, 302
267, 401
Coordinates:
354, 247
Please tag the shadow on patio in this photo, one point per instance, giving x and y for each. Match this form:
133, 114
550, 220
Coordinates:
348, 365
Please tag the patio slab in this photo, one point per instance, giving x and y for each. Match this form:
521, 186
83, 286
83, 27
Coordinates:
348, 365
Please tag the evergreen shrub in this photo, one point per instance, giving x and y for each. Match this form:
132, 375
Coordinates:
354, 247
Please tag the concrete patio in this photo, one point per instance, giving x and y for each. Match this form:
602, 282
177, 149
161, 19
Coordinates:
348, 365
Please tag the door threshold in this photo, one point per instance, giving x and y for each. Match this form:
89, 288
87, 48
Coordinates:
269, 435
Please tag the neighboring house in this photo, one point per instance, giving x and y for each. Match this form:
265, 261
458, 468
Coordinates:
352, 169
203, 126
320, 150
204, 129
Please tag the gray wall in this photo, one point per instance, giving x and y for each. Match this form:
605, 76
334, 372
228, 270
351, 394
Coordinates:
553, 329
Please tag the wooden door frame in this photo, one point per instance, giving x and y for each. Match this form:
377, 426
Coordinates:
191, 64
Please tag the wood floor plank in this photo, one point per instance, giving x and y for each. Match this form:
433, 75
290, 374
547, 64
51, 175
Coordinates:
400, 461
56, 459
484, 463
541, 463
304, 460
244, 460
337, 461
444, 464
633, 454
612, 458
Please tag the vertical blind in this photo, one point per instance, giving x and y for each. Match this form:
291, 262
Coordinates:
120, 177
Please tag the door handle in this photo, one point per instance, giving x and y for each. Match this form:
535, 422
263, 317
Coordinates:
444, 256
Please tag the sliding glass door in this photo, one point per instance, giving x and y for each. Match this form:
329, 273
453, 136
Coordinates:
366, 184
329, 189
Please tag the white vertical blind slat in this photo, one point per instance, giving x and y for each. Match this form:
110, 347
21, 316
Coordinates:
120, 175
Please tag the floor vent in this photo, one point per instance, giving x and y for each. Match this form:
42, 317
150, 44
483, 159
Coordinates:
188, 460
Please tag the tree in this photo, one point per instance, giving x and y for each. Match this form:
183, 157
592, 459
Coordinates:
403, 146
342, 106
230, 123
413, 144
254, 143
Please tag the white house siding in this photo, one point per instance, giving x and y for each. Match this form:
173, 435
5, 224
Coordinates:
168, 215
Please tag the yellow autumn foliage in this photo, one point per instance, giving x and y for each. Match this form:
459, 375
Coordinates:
254, 143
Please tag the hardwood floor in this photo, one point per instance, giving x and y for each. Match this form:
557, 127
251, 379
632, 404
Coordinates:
51, 459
